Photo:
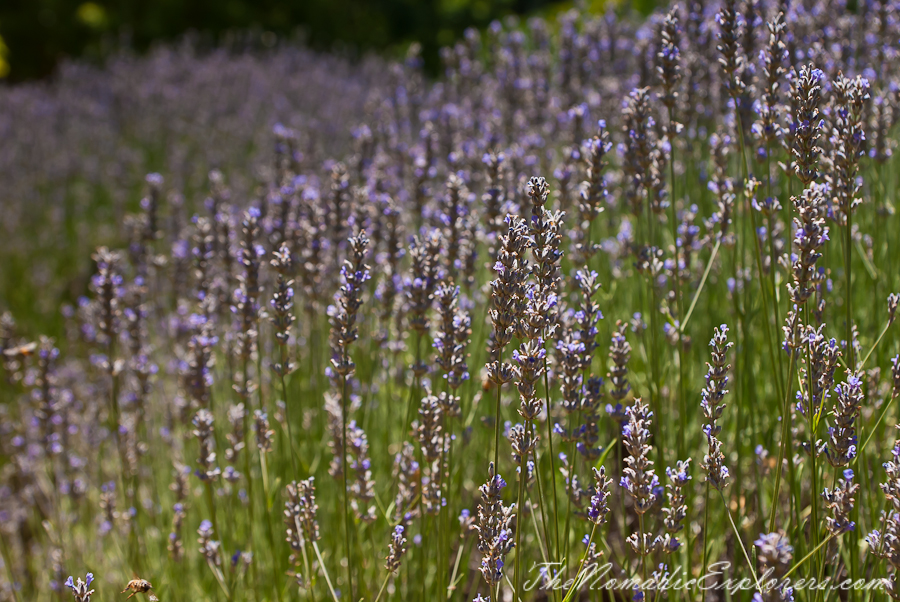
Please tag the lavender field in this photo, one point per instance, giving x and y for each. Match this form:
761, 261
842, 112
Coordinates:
603, 312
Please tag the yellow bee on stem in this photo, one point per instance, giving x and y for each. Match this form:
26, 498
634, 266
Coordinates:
140, 586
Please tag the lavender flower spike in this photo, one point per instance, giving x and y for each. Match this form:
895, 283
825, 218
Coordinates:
839, 502
713, 395
494, 529
599, 508
80, 589
397, 550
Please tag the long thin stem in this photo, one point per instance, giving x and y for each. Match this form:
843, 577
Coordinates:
346, 493
264, 468
412, 401
249, 476
571, 591
497, 420
758, 254
642, 552
210, 501
543, 544
673, 217
220, 579
309, 573
552, 460
706, 271
848, 302
874, 428
808, 556
655, 400
451, 586
384, 584
737, 534
446, 484
705, 533
523, 475
874, 346
785, 433
287, 410
773, 260
540, 484
325, 571
814, 506
569, 485
114, 425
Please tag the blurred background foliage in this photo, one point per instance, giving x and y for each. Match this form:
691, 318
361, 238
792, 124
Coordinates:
36, 34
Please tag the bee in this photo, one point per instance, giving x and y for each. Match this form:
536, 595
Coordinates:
140, 586
23, 350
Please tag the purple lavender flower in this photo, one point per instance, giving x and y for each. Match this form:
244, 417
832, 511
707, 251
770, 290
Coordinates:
713, 395
81, 589
839, 501
396, 550
599, 506
842, 434
494, 527
639, 479
676, 511
807, 124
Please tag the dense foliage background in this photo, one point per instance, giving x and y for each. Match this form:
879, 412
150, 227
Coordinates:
38, 33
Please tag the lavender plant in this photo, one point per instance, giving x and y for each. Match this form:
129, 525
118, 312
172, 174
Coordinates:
333, 270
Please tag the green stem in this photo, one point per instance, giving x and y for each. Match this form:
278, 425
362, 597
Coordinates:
287, 411
523, 474
572, 450
581, 565
264, 468
785, 434
875, 428
758, 255
773, 259
643, 552
813, 502
447, 483
249, 476
655, 401
220, 579
537, 475
880, 336
673, 219
737, 534
309, 573
706, 271
412, 401
325, 572
497, 420
383, 587
552, 461
210, 501
848, 303
344, 471
678, 301
808, 556
705, 533
459, 553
